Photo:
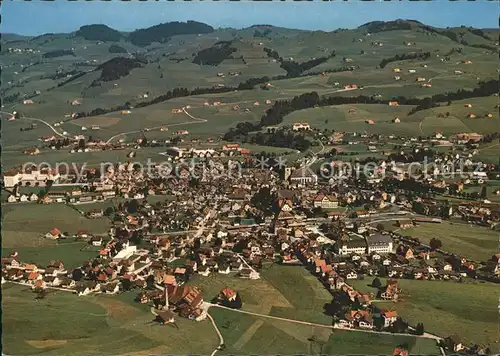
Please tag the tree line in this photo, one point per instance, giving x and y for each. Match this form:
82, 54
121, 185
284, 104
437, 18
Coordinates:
293, 68
485, 89
404, 57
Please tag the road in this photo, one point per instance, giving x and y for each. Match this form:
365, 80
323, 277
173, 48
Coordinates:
221, 339
424, 336
201, 226
197, 121
39, 120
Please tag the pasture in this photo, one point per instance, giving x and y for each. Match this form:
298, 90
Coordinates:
247, 334
478, 243
106, 325
24, 224
447, 307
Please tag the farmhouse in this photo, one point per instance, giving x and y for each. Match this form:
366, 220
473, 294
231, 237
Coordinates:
28, 102
301, 126
32, 151
53, 234
95, 213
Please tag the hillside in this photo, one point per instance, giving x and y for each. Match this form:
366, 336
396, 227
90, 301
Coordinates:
186, 56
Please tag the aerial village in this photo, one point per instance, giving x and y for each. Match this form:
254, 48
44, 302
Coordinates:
233, 218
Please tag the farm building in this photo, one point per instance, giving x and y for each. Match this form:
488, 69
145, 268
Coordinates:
370, 122
301, 126
393, 103
397, 120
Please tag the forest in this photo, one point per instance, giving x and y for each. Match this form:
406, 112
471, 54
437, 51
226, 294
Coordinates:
99, 33
161, 33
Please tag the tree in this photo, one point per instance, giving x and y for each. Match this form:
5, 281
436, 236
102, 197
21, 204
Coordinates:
420, 329
81, 143
483, 192
380, 227
133, 206
435, 243
109, 211
376, 283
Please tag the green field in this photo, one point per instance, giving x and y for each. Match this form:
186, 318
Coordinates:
478, 243
24, 224
446, 307
64, 324
246, 334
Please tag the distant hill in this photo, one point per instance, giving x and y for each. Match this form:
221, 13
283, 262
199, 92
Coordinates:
162, 33
382, 26
99, 33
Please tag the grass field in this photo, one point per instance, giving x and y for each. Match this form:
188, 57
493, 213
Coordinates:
446, 307
24, 225
475, 242
64, 324
246, 334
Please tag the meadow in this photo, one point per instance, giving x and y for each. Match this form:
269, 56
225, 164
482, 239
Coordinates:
248, 334
24, 225
478, 243
446, 307
105, 325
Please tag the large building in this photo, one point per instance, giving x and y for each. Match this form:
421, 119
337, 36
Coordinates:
379, 243
354, 246
302, 176
30, 176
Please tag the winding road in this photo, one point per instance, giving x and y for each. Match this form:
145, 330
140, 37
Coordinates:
424, 336
39, 120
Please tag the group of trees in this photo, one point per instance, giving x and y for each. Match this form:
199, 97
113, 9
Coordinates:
59, 53
161, 33
294, 69
263, 34
214, 55
116, 49
403, 57
485, 89
99, 33
117, 68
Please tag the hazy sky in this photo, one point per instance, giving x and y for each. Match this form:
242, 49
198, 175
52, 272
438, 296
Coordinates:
35, 17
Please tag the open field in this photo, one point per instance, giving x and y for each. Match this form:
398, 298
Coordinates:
105, 326
478, 243
24, 225
247, 334
446, 307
